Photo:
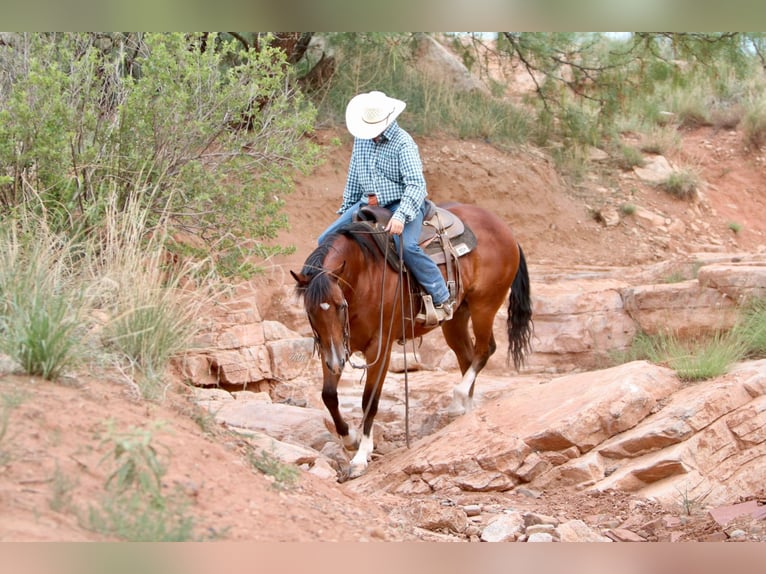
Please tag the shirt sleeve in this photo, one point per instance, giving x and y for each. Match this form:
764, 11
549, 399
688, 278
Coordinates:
414, 183
353, 190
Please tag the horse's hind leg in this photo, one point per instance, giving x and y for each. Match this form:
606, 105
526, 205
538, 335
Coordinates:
471, 359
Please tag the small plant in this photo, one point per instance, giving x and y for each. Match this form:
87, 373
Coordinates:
134, 507
735, 227
39, 309
675, 277
693, 359
285, 475
61, 492
628, 209
8, 402
702, 359
750, 329
682, 184
629, 157
754, 127
690, 505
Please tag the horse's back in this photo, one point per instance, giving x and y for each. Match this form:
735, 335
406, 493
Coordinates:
489, 228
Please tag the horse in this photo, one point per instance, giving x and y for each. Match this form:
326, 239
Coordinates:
354, 302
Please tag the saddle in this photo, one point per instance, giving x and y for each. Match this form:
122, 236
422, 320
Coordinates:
444, 237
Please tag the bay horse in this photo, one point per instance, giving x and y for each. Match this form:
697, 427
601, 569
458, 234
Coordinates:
353, 300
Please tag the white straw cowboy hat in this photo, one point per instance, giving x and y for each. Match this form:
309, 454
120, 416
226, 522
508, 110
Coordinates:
368, 115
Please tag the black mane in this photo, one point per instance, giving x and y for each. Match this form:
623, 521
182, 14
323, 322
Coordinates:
319, 279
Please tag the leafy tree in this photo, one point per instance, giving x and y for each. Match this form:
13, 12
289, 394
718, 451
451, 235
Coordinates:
208, 139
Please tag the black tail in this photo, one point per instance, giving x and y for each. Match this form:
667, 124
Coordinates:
520, 325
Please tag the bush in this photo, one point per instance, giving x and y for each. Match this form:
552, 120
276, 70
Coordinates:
682, 184
40, 306
208, 137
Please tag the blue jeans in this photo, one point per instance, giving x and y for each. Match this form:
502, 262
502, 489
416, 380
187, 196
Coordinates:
423, 269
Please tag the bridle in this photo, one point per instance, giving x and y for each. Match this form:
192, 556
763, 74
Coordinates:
346, 335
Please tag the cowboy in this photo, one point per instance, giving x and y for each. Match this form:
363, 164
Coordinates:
385, 169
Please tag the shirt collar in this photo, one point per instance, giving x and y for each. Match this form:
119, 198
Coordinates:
387, 133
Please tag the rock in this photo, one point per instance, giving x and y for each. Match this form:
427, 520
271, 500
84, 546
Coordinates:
655, 170
301, 426
685, 308
578, 531
504, 528
431, 515
740, 281
541, 537
624, 535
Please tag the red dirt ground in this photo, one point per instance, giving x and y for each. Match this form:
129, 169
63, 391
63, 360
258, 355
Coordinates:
52, 466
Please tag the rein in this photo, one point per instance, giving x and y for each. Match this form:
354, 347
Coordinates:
365, 366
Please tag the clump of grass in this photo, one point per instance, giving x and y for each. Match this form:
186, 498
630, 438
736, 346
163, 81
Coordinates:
682, 184
62, 487
285, 475
135, 508
675, 277
152, 317
692, 359
734, 226
750, 329
754, 127
40, 306
703, 358
8, 402
628, 209
629, 157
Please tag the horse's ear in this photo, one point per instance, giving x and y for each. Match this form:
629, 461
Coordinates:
300, 278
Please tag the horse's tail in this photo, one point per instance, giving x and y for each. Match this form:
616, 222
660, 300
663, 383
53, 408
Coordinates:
520, 315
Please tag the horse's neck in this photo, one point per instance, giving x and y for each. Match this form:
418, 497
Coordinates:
360, 278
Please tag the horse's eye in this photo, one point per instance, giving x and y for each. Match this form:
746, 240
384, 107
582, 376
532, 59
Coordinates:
324, 306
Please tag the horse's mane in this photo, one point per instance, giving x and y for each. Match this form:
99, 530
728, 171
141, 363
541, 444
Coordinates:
319, 278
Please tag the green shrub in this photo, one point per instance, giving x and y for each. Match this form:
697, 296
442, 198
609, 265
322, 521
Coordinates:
135, 508
40, 306
751, 327
682, 184
754, 126
210, 138
693, 359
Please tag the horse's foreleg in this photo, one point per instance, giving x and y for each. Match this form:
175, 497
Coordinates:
359, 463
330, 400
370, 398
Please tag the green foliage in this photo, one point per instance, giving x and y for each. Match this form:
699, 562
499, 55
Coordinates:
40, 310
135, 508
207, 137
751, 328
285, 475
734, 226
384, 62
693, 359
682, 184
754, 124
628, 209
629, 157
8, 402
61, 492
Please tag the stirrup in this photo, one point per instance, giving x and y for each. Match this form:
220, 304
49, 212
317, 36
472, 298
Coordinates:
428, 315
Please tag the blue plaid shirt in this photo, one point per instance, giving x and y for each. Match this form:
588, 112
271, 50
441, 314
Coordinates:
391, 169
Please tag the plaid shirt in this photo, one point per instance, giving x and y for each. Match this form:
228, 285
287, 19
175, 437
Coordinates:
391, 169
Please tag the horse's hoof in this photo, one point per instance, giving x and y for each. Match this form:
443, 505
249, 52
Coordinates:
455, 410
356, 470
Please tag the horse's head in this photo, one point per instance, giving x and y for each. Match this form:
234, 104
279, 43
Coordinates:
327, 311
